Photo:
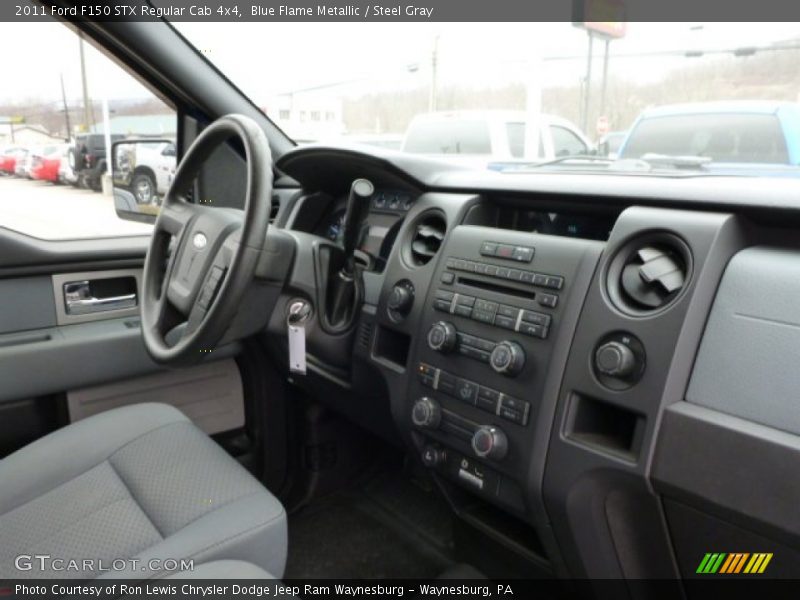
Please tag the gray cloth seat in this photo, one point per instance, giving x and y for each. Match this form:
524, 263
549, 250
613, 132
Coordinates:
140, 482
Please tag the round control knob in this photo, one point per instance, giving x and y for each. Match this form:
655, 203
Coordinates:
401, 298
615, 359
426, 413
442, 337
507, 358
490, 442
433, 456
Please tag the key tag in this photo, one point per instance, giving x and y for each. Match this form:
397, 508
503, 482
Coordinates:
298, 314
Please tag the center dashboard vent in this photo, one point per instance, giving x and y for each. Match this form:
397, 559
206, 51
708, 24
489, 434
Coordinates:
647, 275
427, 235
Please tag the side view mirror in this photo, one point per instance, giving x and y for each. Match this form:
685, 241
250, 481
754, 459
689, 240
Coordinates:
141, 173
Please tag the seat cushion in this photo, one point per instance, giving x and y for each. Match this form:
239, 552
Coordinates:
140, 482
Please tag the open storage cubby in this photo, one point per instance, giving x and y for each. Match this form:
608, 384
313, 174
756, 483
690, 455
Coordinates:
606, 427
392, 346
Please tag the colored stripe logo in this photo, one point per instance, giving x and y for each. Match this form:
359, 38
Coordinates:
734, 563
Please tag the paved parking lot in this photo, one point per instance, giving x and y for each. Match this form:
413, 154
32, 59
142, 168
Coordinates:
60, 212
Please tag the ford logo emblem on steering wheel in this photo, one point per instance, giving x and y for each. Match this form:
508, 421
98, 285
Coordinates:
199, 241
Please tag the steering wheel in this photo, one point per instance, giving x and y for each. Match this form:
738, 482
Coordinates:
202, 259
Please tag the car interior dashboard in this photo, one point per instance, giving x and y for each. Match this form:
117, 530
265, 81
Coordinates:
564, 353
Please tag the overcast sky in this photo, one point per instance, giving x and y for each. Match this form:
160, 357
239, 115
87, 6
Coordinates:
265, 59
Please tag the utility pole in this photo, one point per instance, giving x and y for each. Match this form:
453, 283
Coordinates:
434, 67
85, 86
66, 109
605, 78
587, 83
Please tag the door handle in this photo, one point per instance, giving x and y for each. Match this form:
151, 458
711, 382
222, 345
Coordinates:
79, 300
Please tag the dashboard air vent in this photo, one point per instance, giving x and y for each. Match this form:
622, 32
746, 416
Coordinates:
426, 238
648, 274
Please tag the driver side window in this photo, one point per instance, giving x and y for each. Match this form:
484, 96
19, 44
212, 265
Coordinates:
61, 120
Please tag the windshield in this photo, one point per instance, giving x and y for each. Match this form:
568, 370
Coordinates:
509, 94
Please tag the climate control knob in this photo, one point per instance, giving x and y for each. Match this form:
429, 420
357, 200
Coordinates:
489, 441
615, 359
507, 358
426, 413
442, 337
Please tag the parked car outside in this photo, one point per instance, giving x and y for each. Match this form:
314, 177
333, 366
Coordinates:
8, 159
145, 168
66, 174
22, 165
610, 143
730, 136
87, 157
478, 138
46, 162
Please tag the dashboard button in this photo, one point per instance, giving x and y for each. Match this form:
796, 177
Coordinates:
503, 272
554, 283
470, 266
513, 403
509, 414
505, 251
487, 404
523, 254
539, 279
466, 391
488, 249
504, 310
505, 322
486, 305
537, 318
489, 393
472, 352
487, 345
548, 300
491, 270
443, 305
448, 277
465, 300
446, 384
533, 330
463, 311
515, 274
460, 265
444, 295
482, 316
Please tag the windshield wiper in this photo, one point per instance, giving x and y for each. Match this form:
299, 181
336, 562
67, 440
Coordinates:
579, 159
651, 161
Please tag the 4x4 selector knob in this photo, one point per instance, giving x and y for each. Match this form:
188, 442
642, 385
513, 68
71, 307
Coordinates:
615, 359
489, 441
507, 358
442, 337
426, 413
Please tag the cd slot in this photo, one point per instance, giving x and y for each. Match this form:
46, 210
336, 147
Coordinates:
495, 287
